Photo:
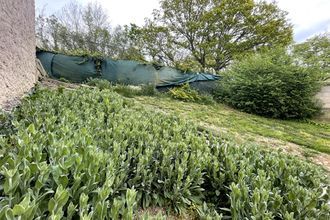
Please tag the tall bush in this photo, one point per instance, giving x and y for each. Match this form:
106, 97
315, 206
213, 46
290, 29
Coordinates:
271, 84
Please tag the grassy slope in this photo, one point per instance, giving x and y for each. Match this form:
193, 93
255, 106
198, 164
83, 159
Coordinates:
109, 122
311, 135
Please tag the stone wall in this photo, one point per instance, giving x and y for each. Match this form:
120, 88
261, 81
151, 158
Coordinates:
17, 49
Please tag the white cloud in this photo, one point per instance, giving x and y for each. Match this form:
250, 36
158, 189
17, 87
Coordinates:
309, 17
129, 11
120, 12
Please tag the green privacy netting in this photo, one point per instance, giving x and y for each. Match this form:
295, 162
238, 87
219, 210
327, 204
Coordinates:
78, 69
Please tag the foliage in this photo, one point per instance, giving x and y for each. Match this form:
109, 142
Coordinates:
210, 33
74, 28
6, 128
186, 93
91, 154
306, 135
199, 35
124, 45
84, 30
84, 53
99, 83
153, 41
270, 84
148, 90
125, 90
315, 53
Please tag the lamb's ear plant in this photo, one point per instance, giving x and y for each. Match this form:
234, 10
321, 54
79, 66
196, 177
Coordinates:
92, 154
71, 210
56, 204
130, 204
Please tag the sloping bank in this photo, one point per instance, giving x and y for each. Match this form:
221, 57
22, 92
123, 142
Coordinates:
79, 69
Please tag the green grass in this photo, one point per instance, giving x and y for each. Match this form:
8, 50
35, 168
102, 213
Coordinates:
309, 134
312, 135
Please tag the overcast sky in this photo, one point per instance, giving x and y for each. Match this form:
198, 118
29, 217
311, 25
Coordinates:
309, 17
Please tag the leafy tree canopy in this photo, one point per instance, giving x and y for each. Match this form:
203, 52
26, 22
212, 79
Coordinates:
78, 29
315, 53
213, 32
188, 34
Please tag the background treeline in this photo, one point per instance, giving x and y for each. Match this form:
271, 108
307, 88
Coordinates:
197, 34
82, 28
189, 34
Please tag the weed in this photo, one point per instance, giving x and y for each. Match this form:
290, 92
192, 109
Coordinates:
187, 94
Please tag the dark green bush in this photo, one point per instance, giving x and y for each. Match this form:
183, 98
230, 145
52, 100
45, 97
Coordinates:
148, 90
270, 84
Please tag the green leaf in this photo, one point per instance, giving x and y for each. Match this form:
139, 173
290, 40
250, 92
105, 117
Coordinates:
10, 214
64, 180
18, 210
31, 129
51, 205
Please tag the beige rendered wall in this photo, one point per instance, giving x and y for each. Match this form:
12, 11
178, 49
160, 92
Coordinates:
324, 96
17, 49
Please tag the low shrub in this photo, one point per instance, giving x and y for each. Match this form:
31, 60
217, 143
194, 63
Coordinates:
125, 90
6, 127
187, 94
99, 83
148, 90
270, 84
91, 154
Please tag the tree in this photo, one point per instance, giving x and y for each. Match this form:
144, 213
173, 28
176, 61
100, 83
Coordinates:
154, 42
123, 45
97, 28
213, 32
75, 28
40, 29
315, 53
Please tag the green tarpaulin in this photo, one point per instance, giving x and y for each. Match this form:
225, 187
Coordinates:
79, 69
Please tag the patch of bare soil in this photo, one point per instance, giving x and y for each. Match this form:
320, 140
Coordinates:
8, 105
54, 84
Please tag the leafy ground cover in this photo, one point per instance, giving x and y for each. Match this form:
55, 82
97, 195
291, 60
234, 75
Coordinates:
94, 154
308, 134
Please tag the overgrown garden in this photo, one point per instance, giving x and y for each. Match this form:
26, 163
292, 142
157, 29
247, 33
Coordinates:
93, 154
